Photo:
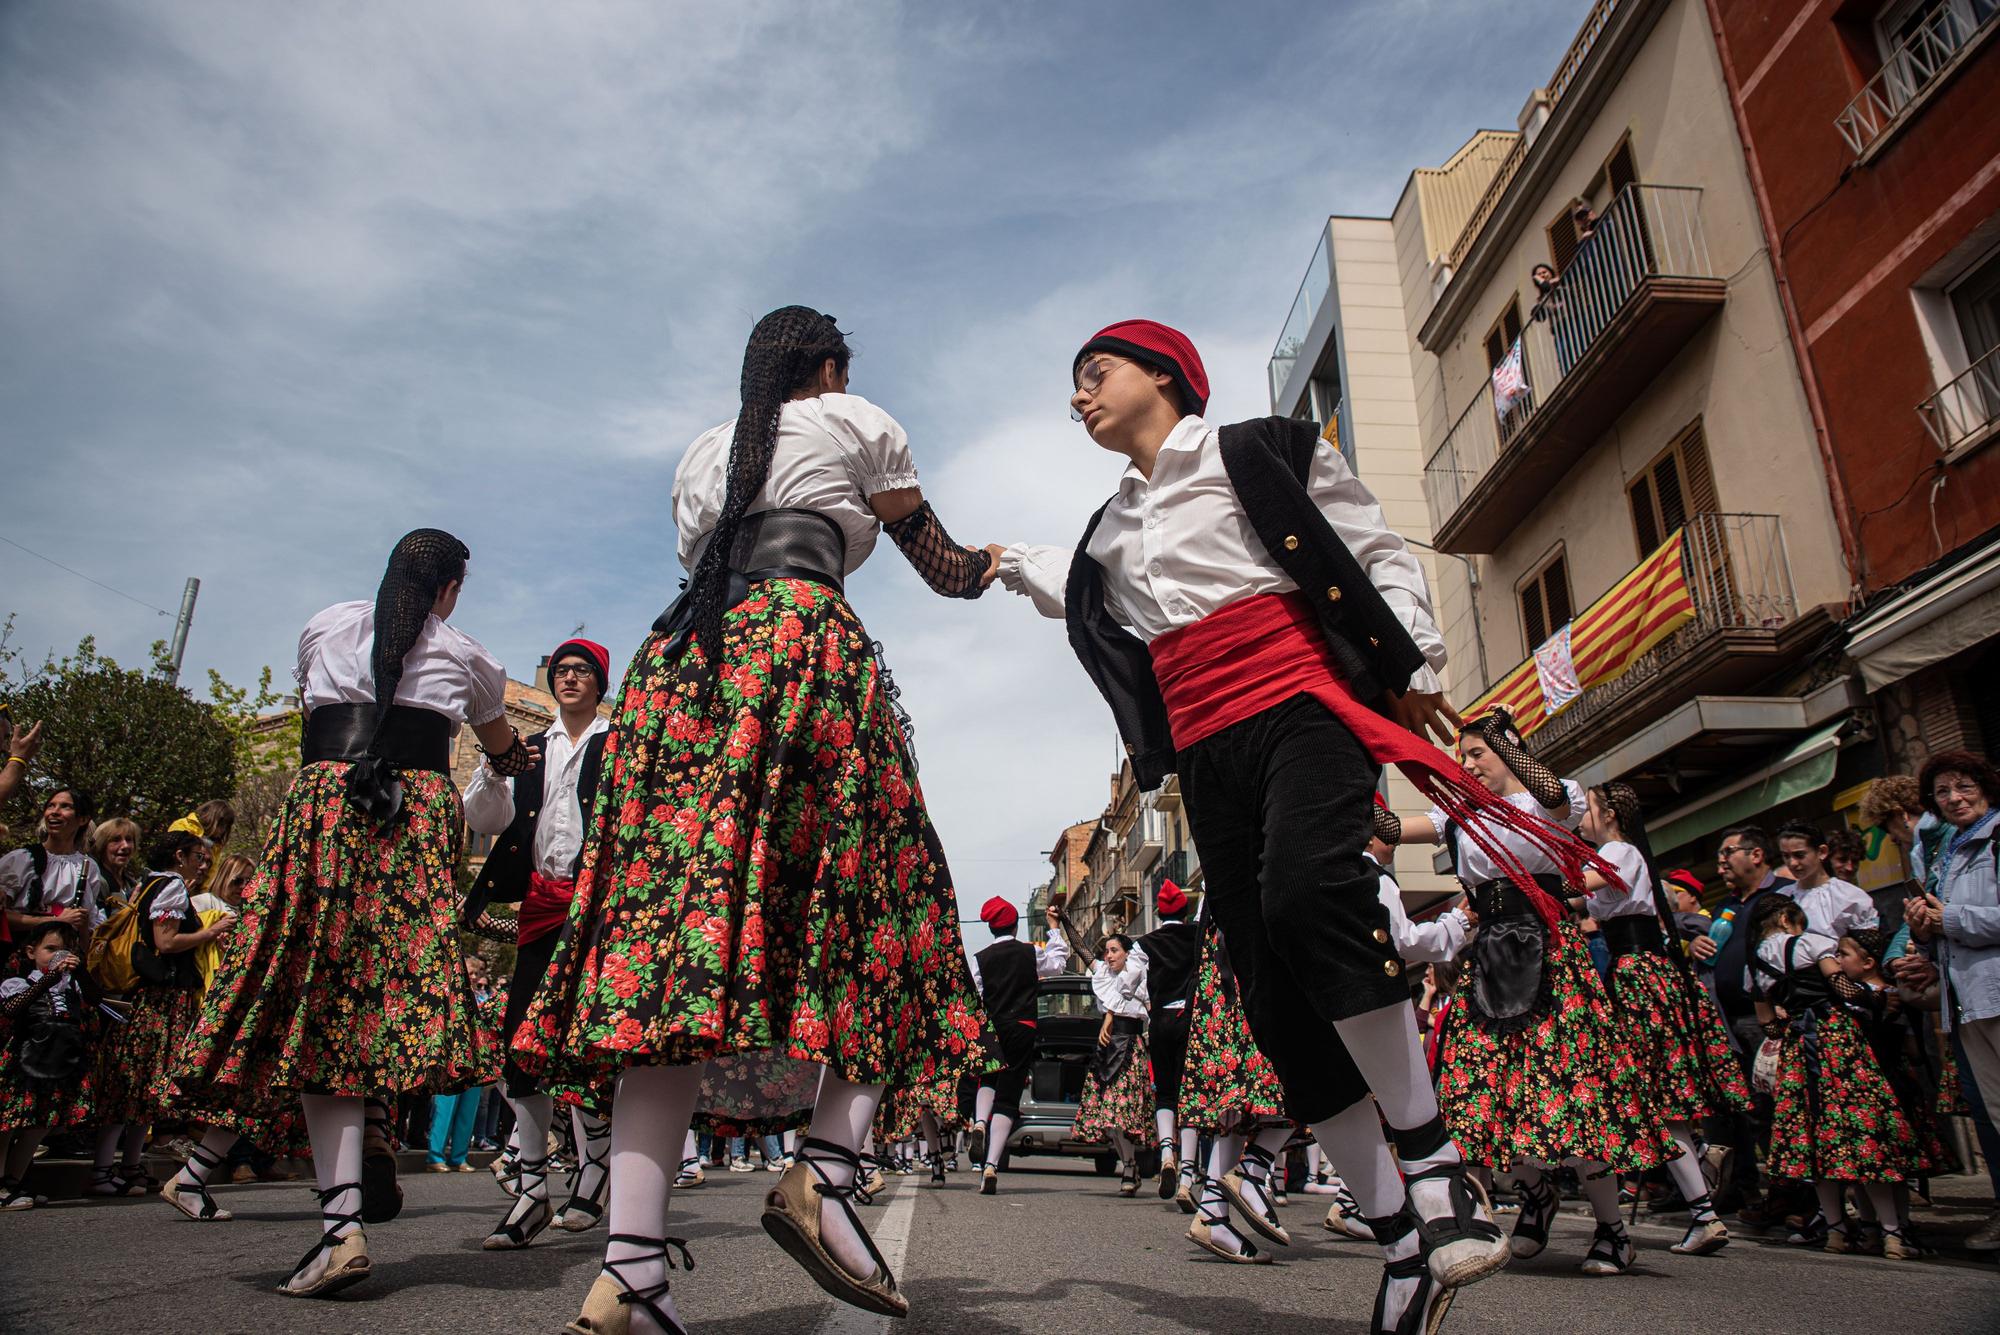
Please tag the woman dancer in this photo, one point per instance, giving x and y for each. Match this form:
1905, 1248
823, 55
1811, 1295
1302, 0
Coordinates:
1672, 1027
1117, 1102
344, 984
1532, 1069
763, 897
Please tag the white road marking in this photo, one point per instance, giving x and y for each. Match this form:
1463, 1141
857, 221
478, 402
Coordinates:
892, 1239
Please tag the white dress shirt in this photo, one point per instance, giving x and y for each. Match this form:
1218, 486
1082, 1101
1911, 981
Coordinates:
70, 879
1435, 942
1607, 902
1475, 868
1834, 907
489, 800
1050, 957
1178, 547
1124, 992
833, 453
446, 670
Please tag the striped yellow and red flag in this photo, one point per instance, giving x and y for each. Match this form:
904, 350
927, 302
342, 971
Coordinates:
1606, 638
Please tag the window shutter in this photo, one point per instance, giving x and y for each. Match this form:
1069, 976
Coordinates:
1696, 475
1532, 618
1495, 349
1562, 240
1645, 526
1511, 325
1555, 593
1620, 171
1667, 487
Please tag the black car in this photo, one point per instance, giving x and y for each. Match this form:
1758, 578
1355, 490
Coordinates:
1066, 1023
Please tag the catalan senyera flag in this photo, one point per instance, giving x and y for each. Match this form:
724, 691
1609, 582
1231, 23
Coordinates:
1607, 637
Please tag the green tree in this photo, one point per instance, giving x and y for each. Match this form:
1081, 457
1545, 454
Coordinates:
135, 743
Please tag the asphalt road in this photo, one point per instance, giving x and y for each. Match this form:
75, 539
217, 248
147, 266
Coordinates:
1056, 1251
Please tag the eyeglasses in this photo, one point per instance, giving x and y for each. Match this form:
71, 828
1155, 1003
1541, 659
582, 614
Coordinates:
1964, 789
1089, 376
1731, 850
576, 670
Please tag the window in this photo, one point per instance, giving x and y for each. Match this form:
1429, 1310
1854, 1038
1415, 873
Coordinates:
1619, 170
1677, 484
1545, 600
1503, 333
1975, 301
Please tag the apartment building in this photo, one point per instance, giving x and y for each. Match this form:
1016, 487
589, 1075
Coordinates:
1873, 138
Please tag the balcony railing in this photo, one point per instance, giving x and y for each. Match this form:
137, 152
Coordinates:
1741, 580
1648, 232
1967, 410
1314, 289
1924, 55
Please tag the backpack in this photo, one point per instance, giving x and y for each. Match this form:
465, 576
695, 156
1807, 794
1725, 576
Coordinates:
110, 956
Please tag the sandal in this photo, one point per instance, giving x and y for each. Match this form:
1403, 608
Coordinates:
347, 1255
1128, 1179
1531, 1227
937, 1171
381, 1194
607, 1308
1259, 1215
691, 1175
1169, 1171
140, 1182
1202, 1234
1425, 1312
12, 1197
791, 1217
1344, 1217
517, 1230
1610, 1251
1190, 1189
178, 1196
581, 1211
107, 1182
1463, 1248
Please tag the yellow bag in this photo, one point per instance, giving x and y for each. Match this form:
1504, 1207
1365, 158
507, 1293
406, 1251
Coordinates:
109, 958
209, 953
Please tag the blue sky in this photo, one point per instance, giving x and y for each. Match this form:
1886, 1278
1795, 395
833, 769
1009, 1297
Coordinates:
281, 282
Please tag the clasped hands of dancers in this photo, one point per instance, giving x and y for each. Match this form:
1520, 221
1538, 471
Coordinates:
733, 902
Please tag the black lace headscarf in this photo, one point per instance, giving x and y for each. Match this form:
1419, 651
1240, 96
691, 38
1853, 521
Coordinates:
786, 351
423, 564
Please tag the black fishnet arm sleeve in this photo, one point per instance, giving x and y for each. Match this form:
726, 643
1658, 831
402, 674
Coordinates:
1541, 782
948, 568
1864, 999
14, 1005
1388, 826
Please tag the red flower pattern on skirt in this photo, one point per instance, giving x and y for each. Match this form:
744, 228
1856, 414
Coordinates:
1853, 1129
1126, 1104
1675, 1033
1227, 1081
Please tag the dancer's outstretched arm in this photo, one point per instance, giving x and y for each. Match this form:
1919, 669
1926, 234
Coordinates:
950, 569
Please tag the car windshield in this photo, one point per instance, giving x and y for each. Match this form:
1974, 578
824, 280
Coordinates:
1067, 1003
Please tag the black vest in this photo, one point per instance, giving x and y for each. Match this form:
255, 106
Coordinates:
504, 877
1267, 460
1007, 981
1173, 949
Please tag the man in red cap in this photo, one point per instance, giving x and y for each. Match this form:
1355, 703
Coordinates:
537, 820
1006, 974
1256, 627
1172, 952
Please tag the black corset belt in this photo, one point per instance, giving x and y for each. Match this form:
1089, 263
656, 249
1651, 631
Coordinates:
412, 738
1633, 934
771, 544
1116, 1053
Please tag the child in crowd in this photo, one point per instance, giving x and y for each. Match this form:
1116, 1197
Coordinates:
1883, 1018
1836, 1120
44, 1065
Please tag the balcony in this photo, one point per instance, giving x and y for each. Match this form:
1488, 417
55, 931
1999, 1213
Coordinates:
1313, 292
1965, 414
1746, 626
1924, 62
1634, 294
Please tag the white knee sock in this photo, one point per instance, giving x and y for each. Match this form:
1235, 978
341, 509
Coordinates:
334, 1124
534, 1114
1390, 1056
982, 1103
1686, 1171
217, 1144
593, 1152
844, 1115
650, 1114
1001, 1127
1163, 1126
1600, 1187
1831, 1206
107, 1144
1352, 1140
1190, 1151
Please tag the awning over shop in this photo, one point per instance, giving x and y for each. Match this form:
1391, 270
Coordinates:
1806, 768
1944, 615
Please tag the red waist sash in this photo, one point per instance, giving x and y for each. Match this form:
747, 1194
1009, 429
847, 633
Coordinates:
1261, 651
545, 907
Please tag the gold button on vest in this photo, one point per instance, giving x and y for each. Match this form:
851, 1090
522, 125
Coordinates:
1291, 543
1333, 594
1381, 937
1391, 967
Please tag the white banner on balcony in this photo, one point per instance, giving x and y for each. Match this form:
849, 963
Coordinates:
1510, 382
1557, 670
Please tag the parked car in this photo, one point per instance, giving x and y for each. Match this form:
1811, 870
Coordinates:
1066, 1023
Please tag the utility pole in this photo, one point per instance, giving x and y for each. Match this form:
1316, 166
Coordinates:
181, 624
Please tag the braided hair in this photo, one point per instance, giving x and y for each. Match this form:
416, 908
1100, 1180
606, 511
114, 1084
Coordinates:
421, 566
786, 351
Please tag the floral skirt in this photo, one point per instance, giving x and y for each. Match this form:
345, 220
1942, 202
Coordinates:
63, 1107
761, 887
1227, 1082
1676, 1034
1126, 1104
344, 975
900, 1117
1836, 1118
1565, 1085
135, 1059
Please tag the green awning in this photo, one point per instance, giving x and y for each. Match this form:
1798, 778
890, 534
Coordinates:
1806, 768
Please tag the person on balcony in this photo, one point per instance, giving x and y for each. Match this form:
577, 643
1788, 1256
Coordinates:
1255, 625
